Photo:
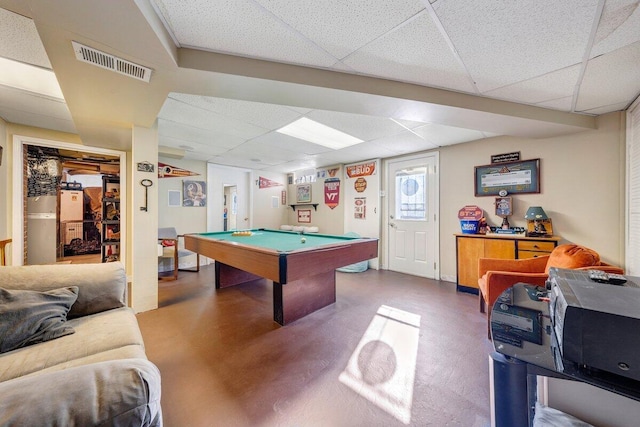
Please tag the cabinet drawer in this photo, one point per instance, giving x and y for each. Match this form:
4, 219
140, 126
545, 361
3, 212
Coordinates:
531, 254
534, 245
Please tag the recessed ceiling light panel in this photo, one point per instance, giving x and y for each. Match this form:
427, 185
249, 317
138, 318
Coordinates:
318, 133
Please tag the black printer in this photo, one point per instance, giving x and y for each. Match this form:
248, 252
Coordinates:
595, 318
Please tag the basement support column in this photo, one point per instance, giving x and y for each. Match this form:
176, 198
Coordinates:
143, 253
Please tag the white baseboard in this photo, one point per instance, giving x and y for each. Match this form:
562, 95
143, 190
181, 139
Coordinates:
448, 278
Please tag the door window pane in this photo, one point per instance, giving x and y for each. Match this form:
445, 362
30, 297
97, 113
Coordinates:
411, 194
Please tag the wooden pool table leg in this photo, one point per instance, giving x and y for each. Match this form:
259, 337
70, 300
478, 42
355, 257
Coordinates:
230, 276
304, 296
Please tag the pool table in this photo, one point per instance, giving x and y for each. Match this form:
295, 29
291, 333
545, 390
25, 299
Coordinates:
301, 266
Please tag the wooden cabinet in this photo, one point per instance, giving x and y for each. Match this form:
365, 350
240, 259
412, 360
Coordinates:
471, 247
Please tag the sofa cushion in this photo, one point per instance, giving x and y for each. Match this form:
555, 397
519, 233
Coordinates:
31, 317
116, 393
94, 334
572, 256
101, 286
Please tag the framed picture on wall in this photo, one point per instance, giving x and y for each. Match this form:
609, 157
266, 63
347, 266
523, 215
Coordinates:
303, 193
514, 177
194, 193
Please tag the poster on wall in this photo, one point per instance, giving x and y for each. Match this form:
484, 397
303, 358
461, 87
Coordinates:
194, 193
168, 171
332, 192
360, 208
304, 216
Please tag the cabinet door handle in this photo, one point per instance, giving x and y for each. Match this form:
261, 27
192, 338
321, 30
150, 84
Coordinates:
535, 246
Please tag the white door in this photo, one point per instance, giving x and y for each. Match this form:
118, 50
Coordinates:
362, 200
413, 219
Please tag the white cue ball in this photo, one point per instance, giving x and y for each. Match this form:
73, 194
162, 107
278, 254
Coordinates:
303, 240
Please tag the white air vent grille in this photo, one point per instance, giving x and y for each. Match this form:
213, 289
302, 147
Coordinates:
110, 62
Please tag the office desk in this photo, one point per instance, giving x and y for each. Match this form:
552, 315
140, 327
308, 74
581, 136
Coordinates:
302, 271
522, 336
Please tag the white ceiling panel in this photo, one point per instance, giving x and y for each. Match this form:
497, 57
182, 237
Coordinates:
194, 116
563, 104
540, 89
278, 141
267, 116
505, 42
240, 27
201, 136
20, 40
202, 150
610, 79
527, 51
402, 143
360, 126
415, 53
341, 27
266, 154
36, 120
619, 26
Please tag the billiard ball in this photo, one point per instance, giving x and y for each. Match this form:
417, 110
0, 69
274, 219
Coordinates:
303, 240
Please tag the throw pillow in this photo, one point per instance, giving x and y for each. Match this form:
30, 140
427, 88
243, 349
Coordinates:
572, 256
30, 317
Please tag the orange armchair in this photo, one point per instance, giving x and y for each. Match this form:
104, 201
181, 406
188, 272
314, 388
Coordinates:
497, 275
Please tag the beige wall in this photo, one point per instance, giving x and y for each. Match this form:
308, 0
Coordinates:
582, 187
266, 214
582, 183
328, 221
184, 219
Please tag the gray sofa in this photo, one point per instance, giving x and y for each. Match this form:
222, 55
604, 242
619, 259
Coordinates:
91, 368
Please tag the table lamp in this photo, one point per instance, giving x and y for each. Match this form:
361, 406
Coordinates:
536, 217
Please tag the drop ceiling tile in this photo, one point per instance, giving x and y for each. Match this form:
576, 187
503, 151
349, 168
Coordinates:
183, 132
405, 142
358, 125
278, 141
200, 118
191, 146
548, 87
608, 108
619, 26
505, 42
339, 26
441, 135
256, 150
611, 79
351, 154
20, 40
267, 116
33, 103
415, 53
562, 104
37, 120
240, 27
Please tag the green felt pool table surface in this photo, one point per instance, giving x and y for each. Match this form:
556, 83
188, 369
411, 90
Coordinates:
279, 240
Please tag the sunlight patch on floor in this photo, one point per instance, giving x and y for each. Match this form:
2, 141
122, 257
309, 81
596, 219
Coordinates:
382, 367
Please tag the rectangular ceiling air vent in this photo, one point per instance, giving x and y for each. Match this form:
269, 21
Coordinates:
110, 62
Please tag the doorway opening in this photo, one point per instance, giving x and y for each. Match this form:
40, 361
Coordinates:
230, 207
68, 206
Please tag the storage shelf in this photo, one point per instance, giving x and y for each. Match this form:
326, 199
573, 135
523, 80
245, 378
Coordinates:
315, 205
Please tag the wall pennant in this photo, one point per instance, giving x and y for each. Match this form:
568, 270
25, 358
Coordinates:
168, 171
332, 192
267, 183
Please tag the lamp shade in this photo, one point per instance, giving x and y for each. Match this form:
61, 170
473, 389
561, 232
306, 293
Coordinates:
535, 212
